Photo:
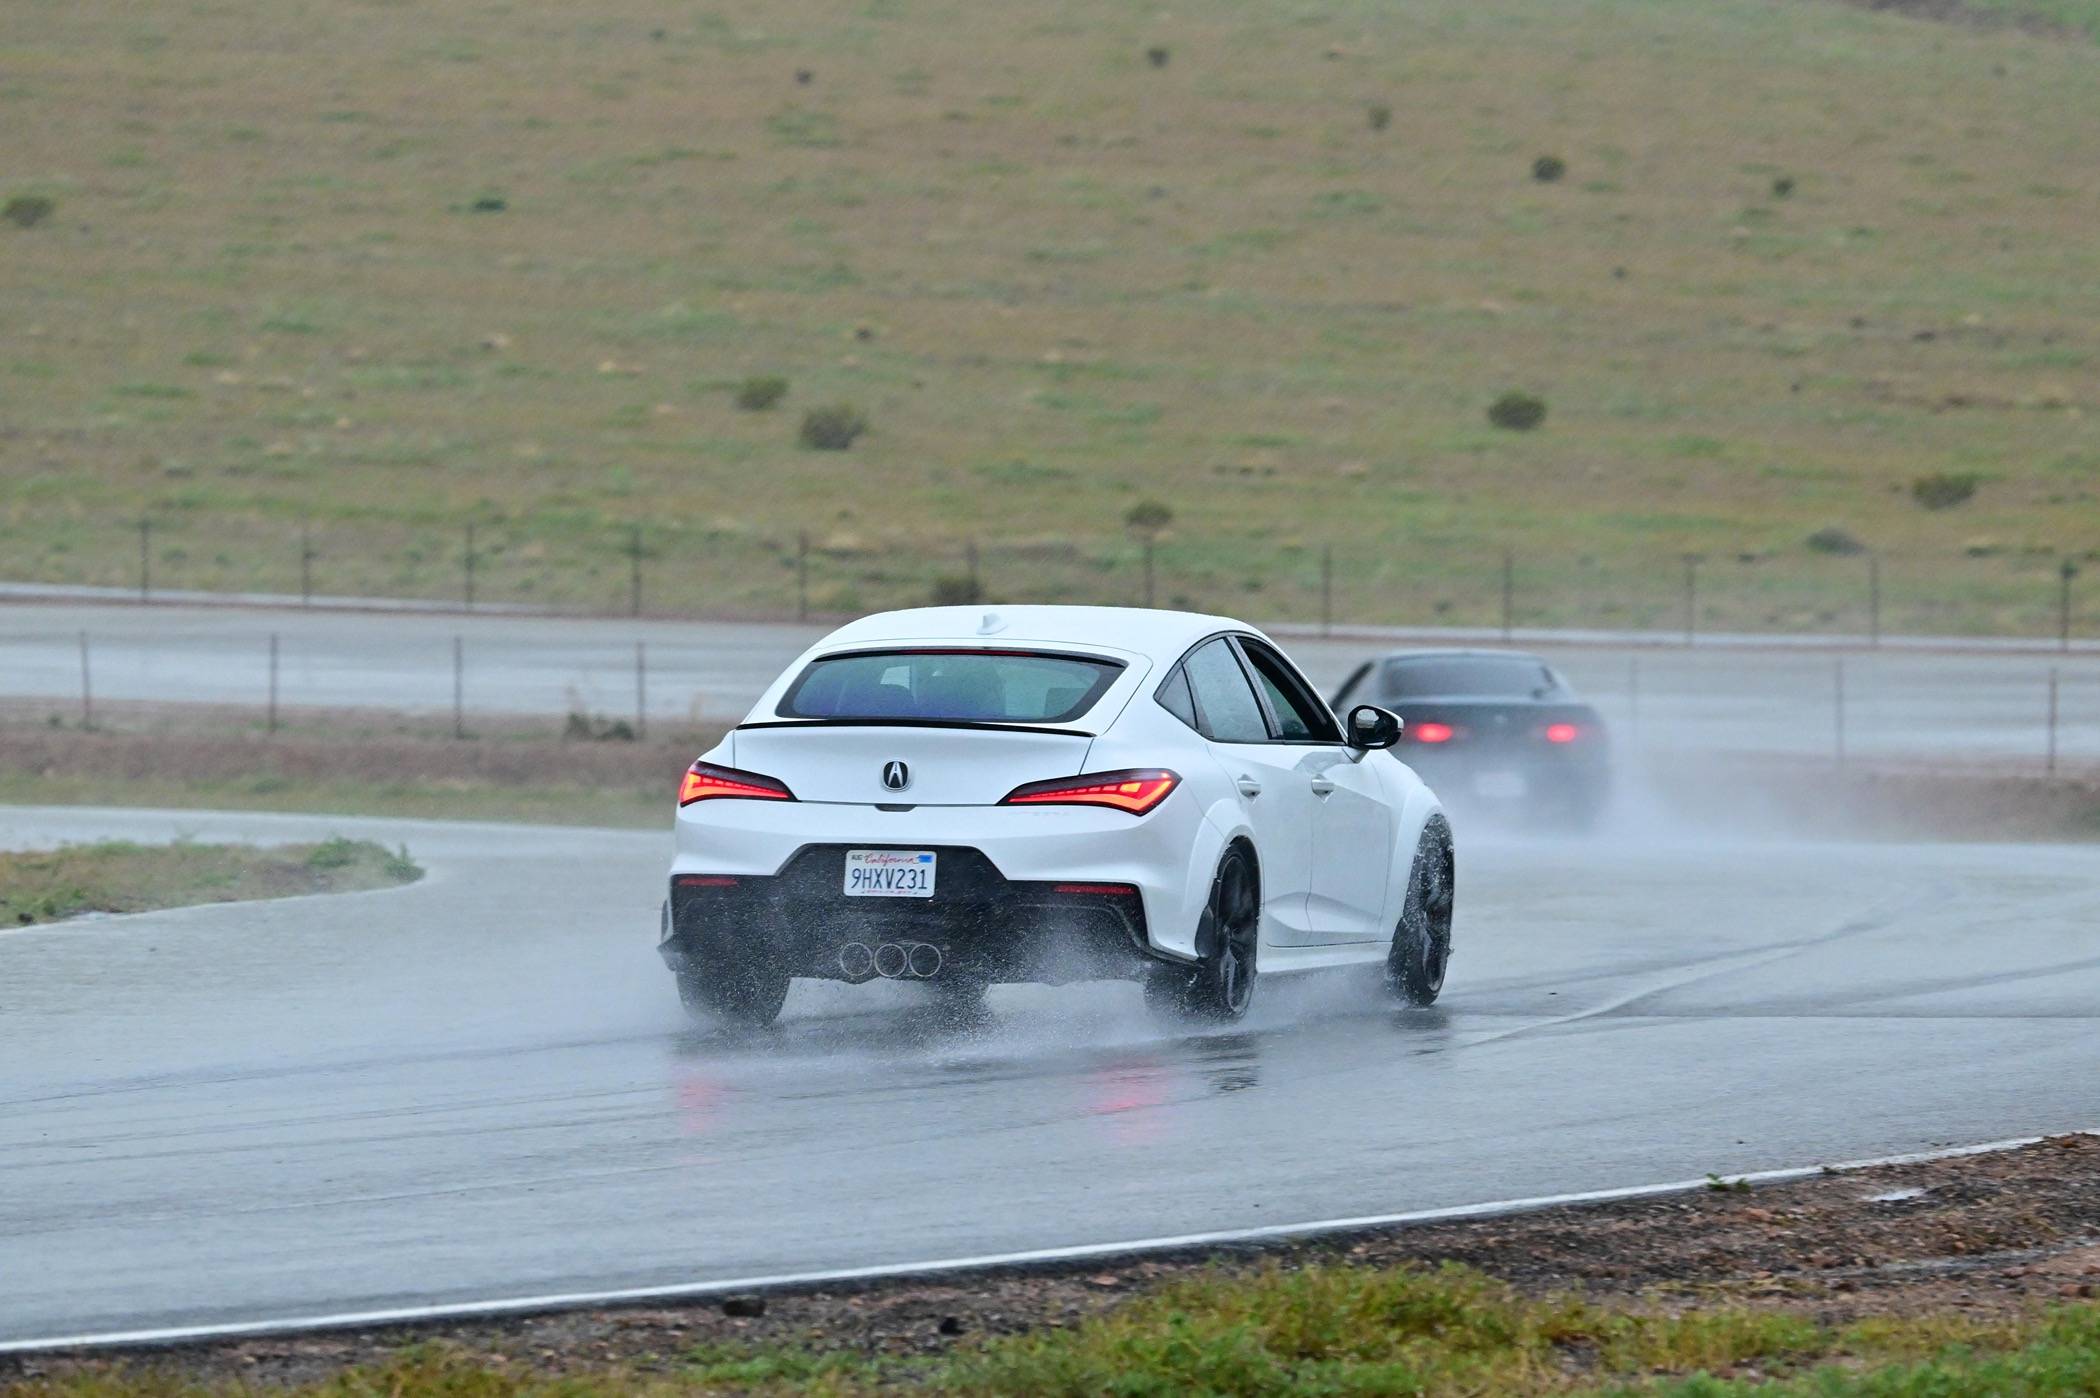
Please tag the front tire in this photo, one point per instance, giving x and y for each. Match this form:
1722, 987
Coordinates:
1421, 949
1220, 986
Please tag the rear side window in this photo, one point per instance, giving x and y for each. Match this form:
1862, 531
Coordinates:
1174, 697
1230, 711
950, 686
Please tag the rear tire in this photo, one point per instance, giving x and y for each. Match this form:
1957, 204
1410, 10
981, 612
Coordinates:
748, 997
1221, 984
1421, 950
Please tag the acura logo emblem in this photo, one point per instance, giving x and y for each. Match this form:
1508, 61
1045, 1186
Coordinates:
896, 776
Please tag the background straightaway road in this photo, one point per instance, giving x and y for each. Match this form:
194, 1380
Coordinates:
482, 1086
1900, 704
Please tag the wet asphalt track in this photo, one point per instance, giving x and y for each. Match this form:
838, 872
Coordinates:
482, 1086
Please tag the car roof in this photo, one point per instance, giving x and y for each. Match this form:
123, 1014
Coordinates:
1458, 653
1158, 635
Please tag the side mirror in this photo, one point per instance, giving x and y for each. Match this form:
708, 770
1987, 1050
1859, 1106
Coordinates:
1371, 727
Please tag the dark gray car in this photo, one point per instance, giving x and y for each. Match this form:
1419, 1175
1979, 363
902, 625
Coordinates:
1492, 729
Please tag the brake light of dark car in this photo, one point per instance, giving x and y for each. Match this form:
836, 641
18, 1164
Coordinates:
1562, 732
704, 781
1135, 791
1432, 732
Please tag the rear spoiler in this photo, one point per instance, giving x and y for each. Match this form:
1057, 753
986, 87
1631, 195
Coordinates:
972, 724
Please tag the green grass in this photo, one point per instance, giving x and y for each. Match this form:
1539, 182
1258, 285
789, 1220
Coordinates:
1059, 280
1324, 1330
117, 876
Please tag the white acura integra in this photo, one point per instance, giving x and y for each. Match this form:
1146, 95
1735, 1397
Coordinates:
966, 796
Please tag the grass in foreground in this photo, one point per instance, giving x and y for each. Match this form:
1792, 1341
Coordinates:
1323, 1330
116, 876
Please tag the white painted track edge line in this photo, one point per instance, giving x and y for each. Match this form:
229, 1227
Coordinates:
678, 1291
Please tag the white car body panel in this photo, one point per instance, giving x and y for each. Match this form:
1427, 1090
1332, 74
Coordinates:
1333, 867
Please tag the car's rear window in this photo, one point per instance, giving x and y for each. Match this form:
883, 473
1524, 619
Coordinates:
1482, 676
950, 686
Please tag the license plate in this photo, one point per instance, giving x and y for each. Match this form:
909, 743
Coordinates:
889, 873
1500, 786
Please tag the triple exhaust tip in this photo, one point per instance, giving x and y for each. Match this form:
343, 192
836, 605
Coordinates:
892, 961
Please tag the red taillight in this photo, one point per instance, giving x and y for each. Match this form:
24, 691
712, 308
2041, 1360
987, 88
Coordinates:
1106, 890
705, 781
706, 881
1135, 791
1562, 732
1431, 733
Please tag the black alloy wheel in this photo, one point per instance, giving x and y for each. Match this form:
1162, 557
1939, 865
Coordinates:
1221, 985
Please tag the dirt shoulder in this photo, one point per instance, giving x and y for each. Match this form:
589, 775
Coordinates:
1979, 1239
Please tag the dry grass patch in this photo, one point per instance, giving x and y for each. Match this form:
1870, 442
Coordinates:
117, 876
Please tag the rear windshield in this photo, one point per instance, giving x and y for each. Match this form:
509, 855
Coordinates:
948, 686
1482, 676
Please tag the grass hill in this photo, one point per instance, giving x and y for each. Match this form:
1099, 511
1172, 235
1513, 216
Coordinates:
384, 267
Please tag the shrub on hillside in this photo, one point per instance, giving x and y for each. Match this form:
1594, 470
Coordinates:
1379, 115
1942, 490
1548, 168
1835, 539
1157, 55
1782, 186
1148, 517
832, 428
1517, 411
28, 210
760, 392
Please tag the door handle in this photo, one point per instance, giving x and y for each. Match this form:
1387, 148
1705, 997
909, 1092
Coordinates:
1322, 786
1249, 787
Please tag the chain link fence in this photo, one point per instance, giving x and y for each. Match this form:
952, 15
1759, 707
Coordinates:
2012, 713
723, 569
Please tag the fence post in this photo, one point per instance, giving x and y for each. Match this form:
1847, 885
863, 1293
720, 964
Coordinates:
1691, 599
1874, 600
641, 690
145, 559
802, 576
1838, 704
459, 688
634, 558
273, 682
1509, 595
306, 564
87, 687
2066, 571
467, 561
2053, 681
1327, 589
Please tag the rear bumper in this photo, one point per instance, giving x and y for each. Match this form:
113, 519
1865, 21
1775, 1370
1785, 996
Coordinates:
979, 924
997, 913
1547, 783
